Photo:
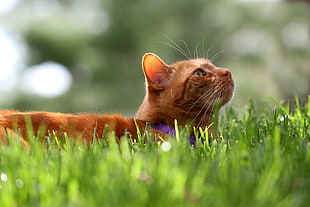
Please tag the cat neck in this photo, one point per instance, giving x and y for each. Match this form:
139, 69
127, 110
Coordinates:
172, 132
152, 112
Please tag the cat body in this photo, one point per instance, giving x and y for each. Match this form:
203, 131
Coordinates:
186, 91
84, 126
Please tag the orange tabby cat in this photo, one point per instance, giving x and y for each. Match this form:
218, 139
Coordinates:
186, 91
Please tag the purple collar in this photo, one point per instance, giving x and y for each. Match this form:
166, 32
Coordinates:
171, 131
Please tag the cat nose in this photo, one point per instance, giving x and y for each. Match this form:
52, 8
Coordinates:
223, 72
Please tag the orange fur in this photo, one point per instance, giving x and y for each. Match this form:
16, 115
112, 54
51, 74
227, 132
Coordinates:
186, 91
175, 93
85, 126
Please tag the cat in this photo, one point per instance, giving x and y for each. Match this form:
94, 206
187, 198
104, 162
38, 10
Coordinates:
186, 91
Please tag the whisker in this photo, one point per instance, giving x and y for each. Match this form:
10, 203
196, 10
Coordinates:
216, 55
213, 98
208, 92
203, 120
176, 48
210, 48
196, 102
196, 53
204, 108
203, 52
187, 48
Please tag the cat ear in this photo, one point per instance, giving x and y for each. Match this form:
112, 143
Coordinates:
156, 71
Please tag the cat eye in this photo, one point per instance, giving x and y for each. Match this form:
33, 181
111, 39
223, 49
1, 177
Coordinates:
199, 72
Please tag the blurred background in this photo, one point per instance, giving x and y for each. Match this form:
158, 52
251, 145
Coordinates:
85, 56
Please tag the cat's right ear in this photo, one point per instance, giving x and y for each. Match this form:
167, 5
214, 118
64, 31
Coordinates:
157, 72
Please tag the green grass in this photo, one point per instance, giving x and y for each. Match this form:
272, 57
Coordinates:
262, 159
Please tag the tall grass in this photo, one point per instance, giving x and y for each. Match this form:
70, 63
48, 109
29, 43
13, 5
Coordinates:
261, 159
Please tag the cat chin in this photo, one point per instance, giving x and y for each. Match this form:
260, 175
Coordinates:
229, 97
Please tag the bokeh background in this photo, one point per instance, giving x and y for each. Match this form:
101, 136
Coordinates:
85, 56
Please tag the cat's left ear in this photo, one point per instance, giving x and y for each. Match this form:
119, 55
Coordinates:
157, 72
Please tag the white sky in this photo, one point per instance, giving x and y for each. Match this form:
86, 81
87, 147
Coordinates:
9, 55
47, 79
7, 5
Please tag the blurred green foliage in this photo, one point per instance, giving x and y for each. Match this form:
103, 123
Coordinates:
102, 42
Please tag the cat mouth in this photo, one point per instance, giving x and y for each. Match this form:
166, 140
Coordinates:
231, 86
228, 92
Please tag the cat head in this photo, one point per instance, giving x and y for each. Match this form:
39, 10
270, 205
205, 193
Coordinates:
187, 90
